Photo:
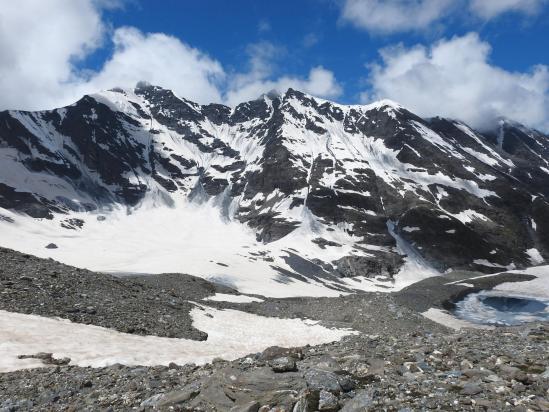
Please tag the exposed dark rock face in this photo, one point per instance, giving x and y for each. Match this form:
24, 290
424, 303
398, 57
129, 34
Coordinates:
458, 198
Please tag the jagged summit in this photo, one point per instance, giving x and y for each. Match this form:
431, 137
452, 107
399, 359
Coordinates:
310, 192
272, 95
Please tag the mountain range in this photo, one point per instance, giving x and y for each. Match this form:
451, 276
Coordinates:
285, 195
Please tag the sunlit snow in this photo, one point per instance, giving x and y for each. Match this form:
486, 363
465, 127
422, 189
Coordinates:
231, 334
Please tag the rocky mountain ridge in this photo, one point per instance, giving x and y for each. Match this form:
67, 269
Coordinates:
374, 189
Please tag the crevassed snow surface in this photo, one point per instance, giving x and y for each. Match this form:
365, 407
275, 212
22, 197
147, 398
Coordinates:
228, 331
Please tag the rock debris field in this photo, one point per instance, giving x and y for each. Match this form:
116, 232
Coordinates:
380, 353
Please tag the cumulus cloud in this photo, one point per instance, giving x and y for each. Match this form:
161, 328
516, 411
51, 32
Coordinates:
39, 43
391, 16
320, 82
397, 16
39, 68
454, 78
489, 9
161, 60
263, 57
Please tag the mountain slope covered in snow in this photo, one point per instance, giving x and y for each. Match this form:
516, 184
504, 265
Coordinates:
282, 196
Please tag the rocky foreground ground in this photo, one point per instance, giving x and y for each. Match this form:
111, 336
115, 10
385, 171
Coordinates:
399, 361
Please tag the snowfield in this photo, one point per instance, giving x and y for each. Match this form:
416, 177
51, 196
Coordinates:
195, 239
228, 331
538, 287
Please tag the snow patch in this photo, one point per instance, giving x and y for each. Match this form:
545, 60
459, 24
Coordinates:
446, 319
231, 334
535, 256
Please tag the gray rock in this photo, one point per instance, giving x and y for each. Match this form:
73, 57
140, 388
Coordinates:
361, 402
328, 363
170, 398
275, 352
284, 364
251, 406
471, 389
327, 401
322, 380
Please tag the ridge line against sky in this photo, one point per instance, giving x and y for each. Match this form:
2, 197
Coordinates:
473, 60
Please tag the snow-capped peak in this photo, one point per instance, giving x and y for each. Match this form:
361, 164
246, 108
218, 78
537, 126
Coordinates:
308, 191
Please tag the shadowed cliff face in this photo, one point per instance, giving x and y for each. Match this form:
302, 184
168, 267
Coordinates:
396, 184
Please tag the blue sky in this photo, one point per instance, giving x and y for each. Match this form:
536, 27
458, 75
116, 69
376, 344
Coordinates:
311, 33
470, 59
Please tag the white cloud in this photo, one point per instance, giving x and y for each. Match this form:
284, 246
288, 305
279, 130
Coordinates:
263, 56
397, 16
392, 16
39, 65
161, 60
320, 82
489, 9
454, 78
39, 43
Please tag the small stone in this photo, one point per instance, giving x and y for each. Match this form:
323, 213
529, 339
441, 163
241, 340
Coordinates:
307, 402
471, 389
543, 404
476, 373
466, 364
523, 378
492, 378
275, 352
322, 380
170, 398
91, 310
327, 401
508, 371
376, 366
60, 361
361, 402
283, 364
86, 384
484, 403
251, 406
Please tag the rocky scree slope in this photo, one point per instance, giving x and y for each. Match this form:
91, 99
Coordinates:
461, 371
377, 184
156, 305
